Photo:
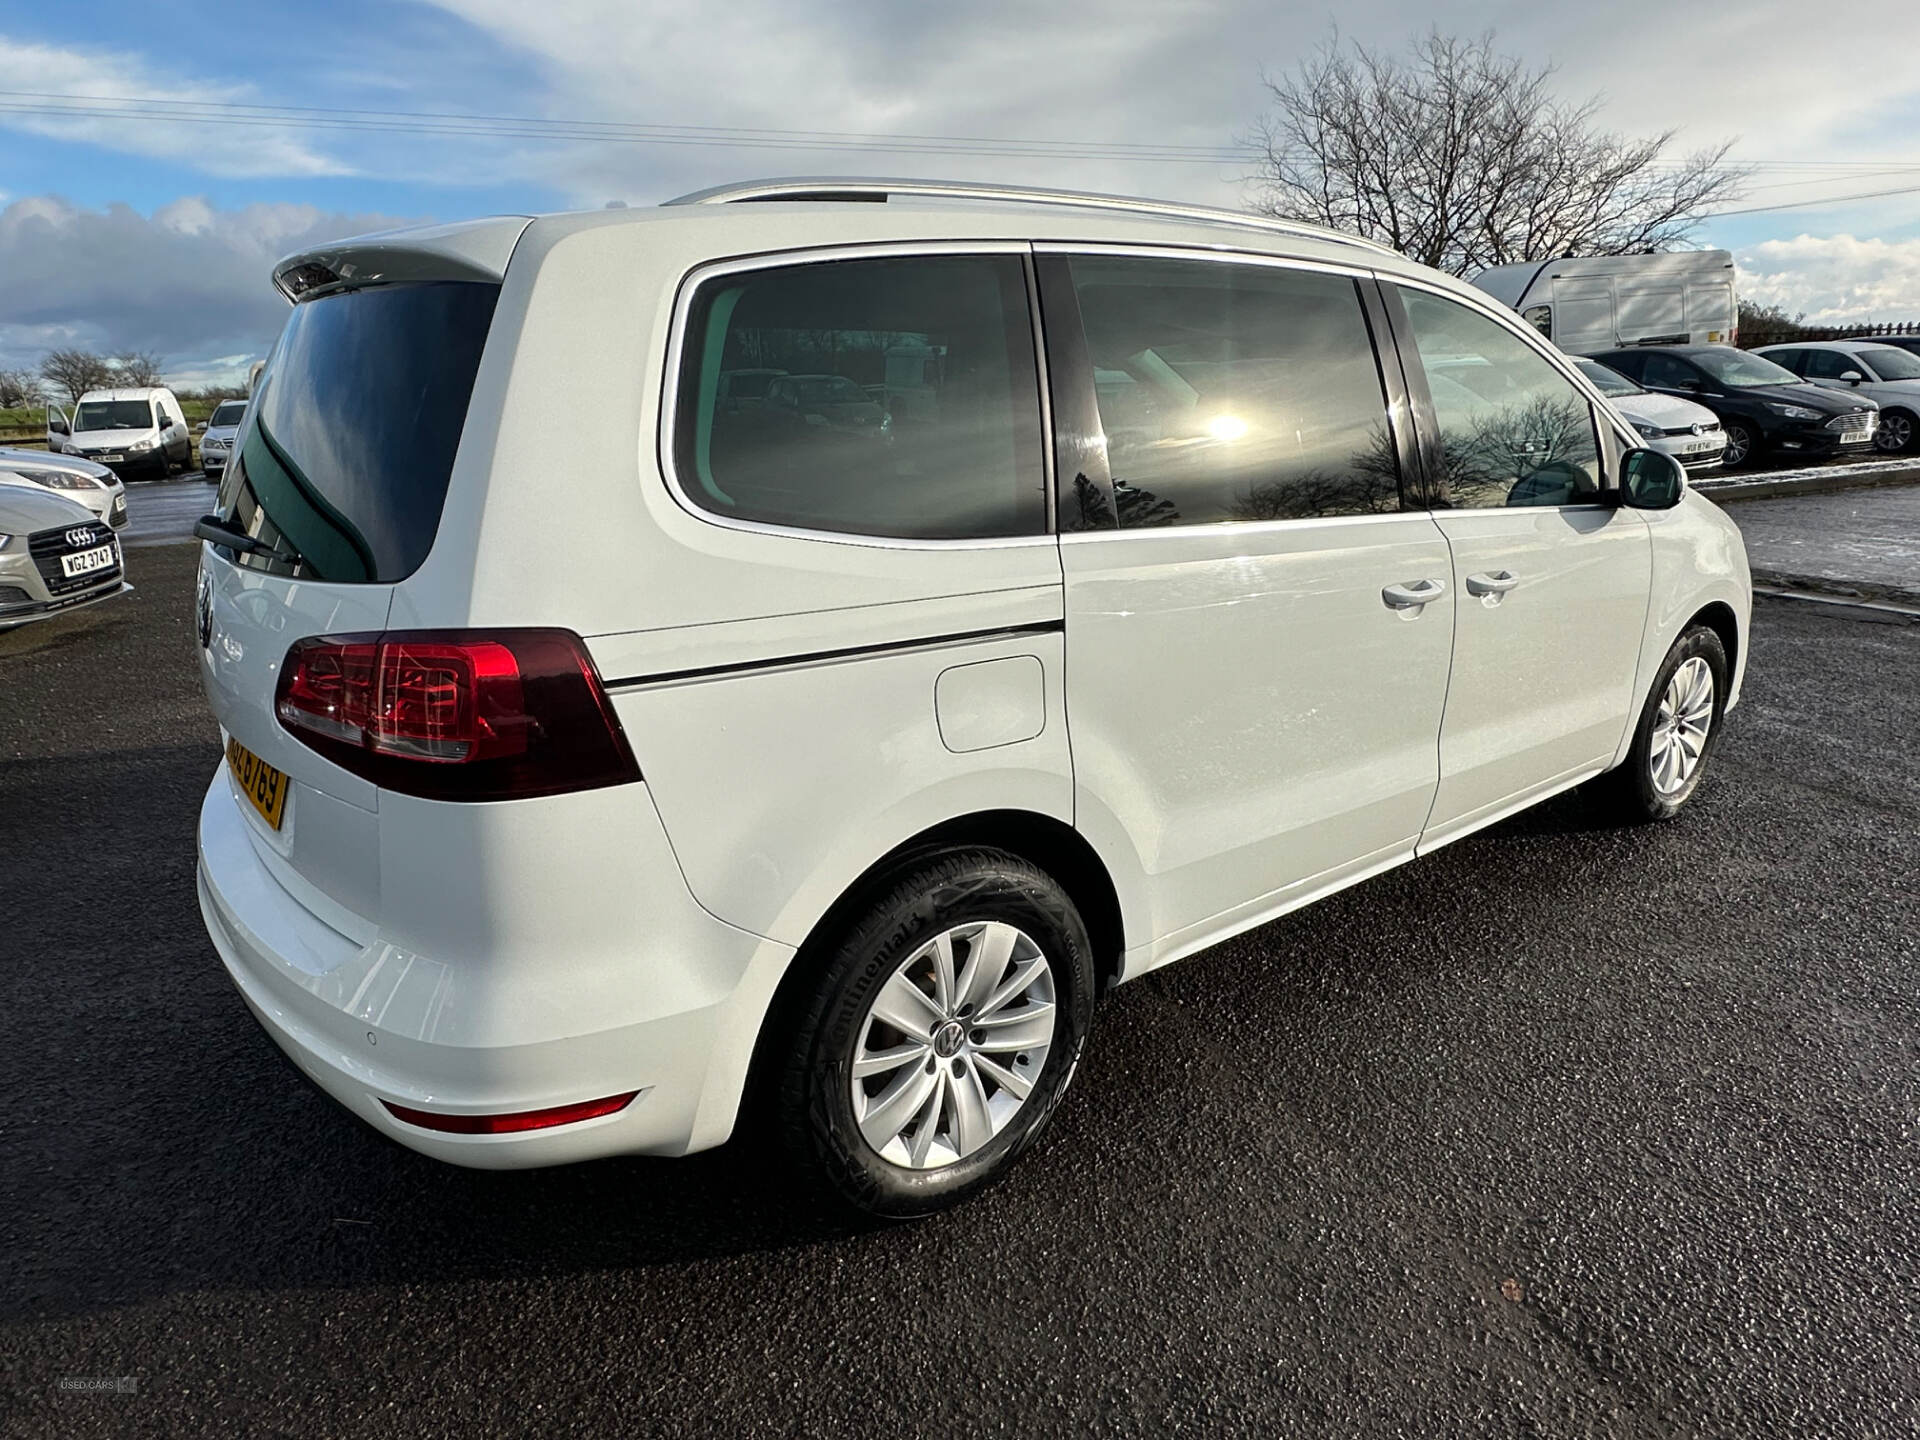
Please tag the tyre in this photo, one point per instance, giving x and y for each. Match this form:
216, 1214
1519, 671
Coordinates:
1740, 443
1894, 434
1678, 727
942, 1032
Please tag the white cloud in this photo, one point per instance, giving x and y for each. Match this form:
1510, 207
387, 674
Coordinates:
227, 150
191, 283
1835, 279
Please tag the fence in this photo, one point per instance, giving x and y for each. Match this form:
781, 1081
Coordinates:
1753, 338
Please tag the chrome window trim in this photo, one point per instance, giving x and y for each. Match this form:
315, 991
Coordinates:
1264, 527
689, 285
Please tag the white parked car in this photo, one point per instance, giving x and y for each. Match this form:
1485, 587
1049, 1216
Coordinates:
836, 777
1888, 374
54, 555
217, 438
137, 431
1690, 433
90, 484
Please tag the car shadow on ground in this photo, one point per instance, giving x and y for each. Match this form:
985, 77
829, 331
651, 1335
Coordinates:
147, 1099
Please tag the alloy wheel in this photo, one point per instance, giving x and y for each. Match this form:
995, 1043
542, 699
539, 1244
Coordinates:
1894, 434
1739, 442
953, 1045
1681, 726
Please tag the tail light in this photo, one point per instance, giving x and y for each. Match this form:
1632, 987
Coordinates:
456, 714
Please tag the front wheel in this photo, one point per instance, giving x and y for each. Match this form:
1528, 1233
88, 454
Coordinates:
1740, 444
1677, 730
1894, 434
941, 1035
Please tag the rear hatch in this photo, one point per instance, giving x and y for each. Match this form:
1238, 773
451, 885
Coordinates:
338, 476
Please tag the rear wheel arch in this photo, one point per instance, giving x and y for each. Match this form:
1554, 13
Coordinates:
1053, 846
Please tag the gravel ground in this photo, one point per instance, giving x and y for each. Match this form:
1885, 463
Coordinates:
1566, 1130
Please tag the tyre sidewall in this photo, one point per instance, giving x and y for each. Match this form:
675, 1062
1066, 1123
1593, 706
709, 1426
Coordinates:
958, 889
1698, 641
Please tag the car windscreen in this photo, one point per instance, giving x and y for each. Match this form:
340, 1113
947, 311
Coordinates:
114, 415
1741, 370
1608, 381
228, 413
1891, 364
353, 430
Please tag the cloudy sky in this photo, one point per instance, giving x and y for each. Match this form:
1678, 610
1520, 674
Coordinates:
124, 223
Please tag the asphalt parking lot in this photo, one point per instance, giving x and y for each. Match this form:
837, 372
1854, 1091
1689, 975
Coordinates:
1566, 1130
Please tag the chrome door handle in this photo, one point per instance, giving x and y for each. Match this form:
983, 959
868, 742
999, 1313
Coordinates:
1413, 596
1497, 582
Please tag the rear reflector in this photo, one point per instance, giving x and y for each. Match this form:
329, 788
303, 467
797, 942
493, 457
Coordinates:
456, 714
513, 1121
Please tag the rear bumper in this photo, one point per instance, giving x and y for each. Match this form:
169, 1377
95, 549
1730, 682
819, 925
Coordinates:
672, 1012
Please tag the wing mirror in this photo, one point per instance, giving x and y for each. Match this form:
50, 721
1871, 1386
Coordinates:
1650, 480
1852, 377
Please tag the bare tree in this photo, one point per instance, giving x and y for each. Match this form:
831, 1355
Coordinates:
137, 367
1461, 158
18, 388
75, 372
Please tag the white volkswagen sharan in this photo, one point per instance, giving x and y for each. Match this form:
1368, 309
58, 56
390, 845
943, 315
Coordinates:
938, 611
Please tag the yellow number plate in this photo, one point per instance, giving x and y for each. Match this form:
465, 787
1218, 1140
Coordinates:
265, 786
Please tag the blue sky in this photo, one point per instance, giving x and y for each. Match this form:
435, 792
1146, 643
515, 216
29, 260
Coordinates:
120, 232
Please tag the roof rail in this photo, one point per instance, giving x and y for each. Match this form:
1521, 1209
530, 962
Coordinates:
845, 188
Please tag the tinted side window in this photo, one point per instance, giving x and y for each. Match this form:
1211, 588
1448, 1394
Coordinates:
1794, 360
1233, 393
1627, 363
1513, 430
1828, 365
894, 397
1664, 370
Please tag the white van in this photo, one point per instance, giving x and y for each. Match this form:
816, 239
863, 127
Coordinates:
1587, 304
139, 432
824, 767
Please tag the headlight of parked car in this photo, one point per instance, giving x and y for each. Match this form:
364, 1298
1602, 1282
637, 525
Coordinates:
1652, 432
1793, 412
58, 479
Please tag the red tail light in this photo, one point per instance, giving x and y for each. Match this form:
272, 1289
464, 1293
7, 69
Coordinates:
513, 1121
456, 714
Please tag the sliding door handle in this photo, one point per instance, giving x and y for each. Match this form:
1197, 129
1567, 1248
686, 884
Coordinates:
1412, 596
1493, 582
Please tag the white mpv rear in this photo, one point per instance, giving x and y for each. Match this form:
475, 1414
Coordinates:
1090, 580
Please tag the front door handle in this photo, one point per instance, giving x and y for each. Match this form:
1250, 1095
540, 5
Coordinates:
1414, 595
1495, 582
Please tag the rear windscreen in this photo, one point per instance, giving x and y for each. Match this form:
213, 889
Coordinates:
344, 465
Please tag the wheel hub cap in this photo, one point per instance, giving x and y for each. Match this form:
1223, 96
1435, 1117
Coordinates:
1681, 726
952, 1045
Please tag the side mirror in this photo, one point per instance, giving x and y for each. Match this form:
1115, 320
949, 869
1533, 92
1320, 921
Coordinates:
1651, 480
1852, 377
201, 428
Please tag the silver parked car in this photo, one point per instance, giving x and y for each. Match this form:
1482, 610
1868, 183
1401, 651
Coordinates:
54, 555
216, 440
1881, 372
86, 481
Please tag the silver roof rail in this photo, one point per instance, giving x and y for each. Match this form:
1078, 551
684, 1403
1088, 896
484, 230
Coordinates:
845, 188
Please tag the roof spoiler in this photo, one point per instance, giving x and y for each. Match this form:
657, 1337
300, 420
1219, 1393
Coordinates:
473, 250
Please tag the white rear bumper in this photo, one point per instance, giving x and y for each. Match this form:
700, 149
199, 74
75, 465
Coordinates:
671, 1009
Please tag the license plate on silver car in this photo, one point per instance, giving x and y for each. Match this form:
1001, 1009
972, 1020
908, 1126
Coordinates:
87, 561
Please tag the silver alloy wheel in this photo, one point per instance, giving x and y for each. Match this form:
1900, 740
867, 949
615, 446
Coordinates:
1739, 442
1680, 726
1894, 434
953, 1044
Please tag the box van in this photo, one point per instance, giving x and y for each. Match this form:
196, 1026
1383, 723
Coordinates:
136, 431
825, 772
1586, 304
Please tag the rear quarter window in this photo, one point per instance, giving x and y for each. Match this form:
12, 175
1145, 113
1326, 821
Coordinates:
887, 397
